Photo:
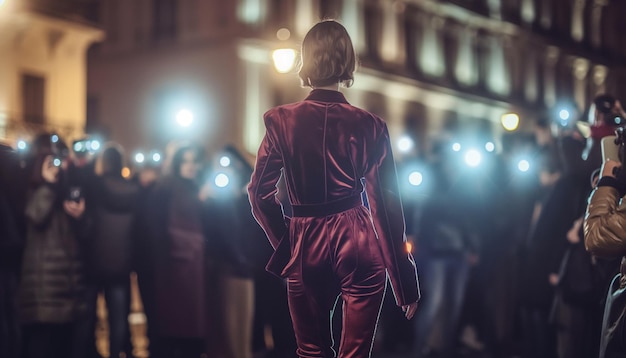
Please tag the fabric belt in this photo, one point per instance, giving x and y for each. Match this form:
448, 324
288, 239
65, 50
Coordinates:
325, 209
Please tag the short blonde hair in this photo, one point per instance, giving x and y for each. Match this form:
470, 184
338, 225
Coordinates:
327, 56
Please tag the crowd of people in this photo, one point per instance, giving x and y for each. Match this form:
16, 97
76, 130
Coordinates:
503, 267
74, 227
499, 254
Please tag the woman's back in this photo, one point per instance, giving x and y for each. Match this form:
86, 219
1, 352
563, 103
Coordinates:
324, 142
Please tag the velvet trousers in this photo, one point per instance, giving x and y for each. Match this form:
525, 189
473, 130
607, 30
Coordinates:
335, 257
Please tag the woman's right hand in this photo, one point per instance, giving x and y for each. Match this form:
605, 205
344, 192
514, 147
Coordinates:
49, 171
409, 310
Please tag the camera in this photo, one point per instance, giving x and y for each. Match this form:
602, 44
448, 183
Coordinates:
605, 104
74, 194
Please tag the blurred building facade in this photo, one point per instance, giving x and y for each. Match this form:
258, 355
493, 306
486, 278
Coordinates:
43, 68
426, 65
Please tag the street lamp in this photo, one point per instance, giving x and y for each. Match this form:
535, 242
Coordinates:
284, 59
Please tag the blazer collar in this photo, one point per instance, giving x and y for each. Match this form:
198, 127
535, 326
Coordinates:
323, 95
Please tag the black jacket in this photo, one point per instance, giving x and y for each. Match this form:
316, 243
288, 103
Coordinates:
114, 209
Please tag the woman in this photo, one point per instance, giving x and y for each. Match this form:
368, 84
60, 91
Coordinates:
114, 209
333, 244
174, 226
52, 292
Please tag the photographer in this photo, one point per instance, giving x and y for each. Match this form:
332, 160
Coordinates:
52, 292
605, 236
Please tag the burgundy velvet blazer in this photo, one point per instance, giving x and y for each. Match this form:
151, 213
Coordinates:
324, 147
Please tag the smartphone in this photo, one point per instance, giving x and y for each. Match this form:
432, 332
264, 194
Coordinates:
610, 150
75, 194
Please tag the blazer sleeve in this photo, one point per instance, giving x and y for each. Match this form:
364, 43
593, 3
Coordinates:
262, 190
381, 185
605, 223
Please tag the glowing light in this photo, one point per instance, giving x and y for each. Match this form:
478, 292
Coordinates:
284, 59
510, 121
473, 158
221, 180
523, 165
156, 157
126, 172
416, 178
490, 147
56, 162
21, 145
283, 34
409, 247
54, 138
564, 114
79, 146
184, 118
405, 144
456, 147
95, 145
139, 158
224, 161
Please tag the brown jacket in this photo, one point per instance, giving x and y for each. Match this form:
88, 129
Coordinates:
605, 223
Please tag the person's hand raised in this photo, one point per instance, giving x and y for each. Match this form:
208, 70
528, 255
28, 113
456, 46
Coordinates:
49, 171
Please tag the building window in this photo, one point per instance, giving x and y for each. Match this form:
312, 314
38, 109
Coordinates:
33, 96
373, 30
164, 18
330, 9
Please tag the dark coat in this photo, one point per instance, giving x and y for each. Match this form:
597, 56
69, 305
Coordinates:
114, 209
547, 240
174, 222
53, 287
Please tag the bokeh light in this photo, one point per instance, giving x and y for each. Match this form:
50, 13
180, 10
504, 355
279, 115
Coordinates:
224, 161
284, 59
523, 165
416, 178
405, 144
283, 34
184, 118
510, 121
221, 180
139, 158
473, 158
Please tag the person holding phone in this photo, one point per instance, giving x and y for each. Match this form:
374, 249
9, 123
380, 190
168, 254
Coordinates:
52, 292
333, 246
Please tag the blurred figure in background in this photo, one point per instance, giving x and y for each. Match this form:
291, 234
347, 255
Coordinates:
175, 226
580, 290
445, 250
52, 292
232, 235
143, 264
11, 245
114, 207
